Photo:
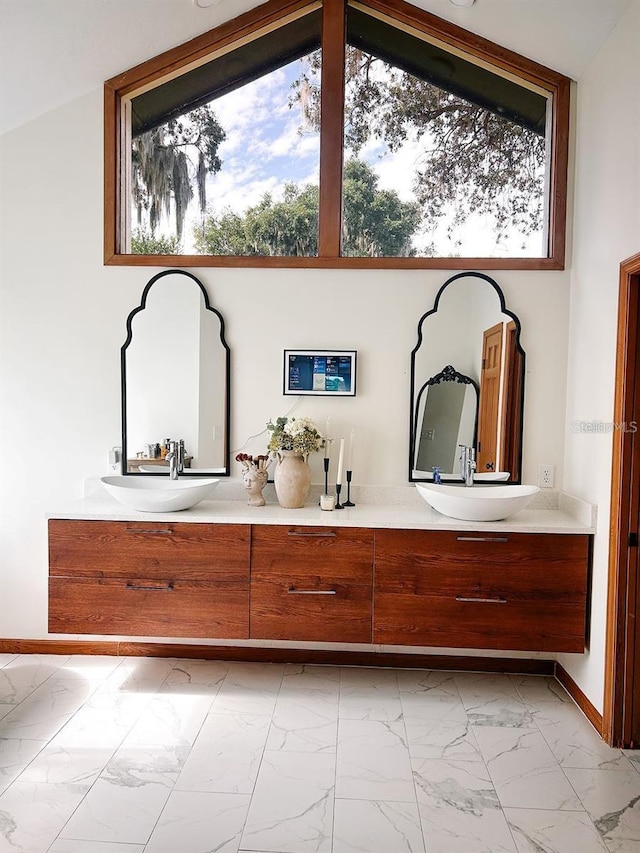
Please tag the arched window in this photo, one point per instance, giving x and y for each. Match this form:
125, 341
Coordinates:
343, 133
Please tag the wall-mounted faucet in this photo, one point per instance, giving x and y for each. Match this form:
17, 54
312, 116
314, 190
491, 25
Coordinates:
467, 463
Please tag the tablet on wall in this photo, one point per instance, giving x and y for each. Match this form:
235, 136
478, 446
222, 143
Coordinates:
330, 373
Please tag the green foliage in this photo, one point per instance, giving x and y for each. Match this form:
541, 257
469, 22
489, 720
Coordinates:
472, 159
169, 160
288, 227
145, 243
375, 222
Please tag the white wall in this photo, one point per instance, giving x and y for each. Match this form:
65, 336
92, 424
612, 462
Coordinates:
64, 317
606, 231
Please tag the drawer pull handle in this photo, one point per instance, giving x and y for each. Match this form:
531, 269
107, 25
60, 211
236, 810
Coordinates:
154, 531
482, 538
482, 600
166, 588
293, 591
328, 535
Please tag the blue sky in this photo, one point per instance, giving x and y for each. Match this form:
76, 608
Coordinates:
264, 149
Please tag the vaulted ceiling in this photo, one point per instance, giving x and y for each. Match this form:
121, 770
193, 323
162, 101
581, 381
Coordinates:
53, 51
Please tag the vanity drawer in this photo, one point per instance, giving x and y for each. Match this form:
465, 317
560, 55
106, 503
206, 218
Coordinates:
536, 557
311, 583
348, 551
309, 607
149, 607
102, 549
474, 590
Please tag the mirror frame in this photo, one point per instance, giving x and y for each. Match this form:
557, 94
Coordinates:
413, 400
123, 379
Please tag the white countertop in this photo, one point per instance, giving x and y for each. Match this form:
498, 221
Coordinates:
378, 507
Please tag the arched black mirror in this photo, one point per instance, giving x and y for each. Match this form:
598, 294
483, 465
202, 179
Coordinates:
477, 398
175, 377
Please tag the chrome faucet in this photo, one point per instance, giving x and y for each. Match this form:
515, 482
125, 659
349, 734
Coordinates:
172, 459
175, 458
467, 463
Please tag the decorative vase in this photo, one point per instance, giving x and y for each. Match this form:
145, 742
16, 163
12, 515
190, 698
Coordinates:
292, 479
254, 482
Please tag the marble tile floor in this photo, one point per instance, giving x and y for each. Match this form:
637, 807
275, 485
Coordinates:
150, 755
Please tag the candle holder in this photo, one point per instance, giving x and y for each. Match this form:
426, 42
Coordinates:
348, 501
326, 462
338, 490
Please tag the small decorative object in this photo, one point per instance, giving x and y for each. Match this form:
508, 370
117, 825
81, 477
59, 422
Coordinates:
292, 440
348, 501
325, 465
339, 475
254, 474
327, 502
326, 443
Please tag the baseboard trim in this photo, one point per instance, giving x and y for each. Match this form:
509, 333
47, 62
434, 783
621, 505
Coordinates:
588, 709
59, 647
524, 666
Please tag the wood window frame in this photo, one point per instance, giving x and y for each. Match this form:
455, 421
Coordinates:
118, 89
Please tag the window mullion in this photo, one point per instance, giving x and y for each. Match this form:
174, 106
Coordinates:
332, 127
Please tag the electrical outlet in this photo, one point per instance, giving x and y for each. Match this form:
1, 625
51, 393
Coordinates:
546, 476
115, 455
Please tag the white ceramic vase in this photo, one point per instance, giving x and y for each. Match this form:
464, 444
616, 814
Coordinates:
292, 479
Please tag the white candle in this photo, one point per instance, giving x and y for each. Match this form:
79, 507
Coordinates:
327, 437
340, 463
350, 454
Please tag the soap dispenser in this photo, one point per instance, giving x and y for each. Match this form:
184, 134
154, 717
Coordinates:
437, 479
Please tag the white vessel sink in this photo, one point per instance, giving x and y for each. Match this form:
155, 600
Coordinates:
477, 503
157, 494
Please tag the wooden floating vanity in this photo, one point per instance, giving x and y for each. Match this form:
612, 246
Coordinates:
484, 586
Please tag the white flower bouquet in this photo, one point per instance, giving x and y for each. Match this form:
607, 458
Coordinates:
297, 434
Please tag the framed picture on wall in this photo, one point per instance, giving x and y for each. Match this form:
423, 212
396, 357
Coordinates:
314, 372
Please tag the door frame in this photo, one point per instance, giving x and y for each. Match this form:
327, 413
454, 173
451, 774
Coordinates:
494, 426
511, 395
620, 640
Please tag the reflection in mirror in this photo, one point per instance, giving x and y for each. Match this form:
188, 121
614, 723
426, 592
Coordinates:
471, 331
175, 379
446, 416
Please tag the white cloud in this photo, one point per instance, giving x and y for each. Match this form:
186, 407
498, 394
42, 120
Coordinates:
240, 196
396, 170
247, 108
292, 143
